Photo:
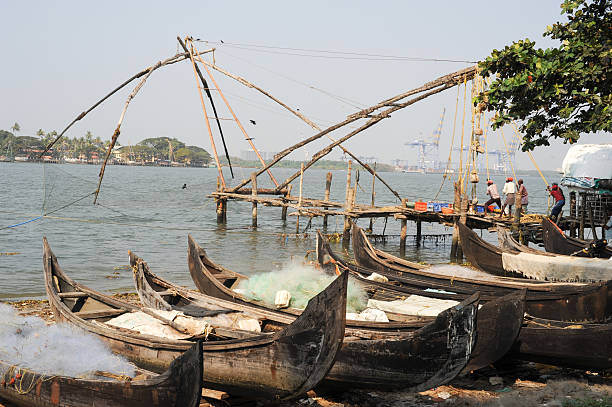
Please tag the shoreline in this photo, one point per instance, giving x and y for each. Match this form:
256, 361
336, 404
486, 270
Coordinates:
509, 383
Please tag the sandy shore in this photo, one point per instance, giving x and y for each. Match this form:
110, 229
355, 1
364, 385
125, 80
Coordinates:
508, 384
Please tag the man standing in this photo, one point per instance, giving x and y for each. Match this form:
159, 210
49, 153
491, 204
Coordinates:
522, 193
556, 193
509, 191
493, 195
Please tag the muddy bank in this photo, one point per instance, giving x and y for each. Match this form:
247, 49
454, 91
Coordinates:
508, 384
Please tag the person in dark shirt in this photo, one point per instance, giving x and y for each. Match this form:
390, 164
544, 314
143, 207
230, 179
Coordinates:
556, 193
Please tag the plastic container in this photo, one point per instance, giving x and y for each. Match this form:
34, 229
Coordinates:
480, 209
492, 208
420, 206
447, 210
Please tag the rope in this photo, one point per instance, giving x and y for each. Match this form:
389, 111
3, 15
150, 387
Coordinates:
516, 133
462, 132
450, 152
507, 152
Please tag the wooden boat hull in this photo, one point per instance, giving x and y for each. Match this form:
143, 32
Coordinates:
179, 386
560, 301
555, 241
530, 263
501, 321
585, 346
282, 365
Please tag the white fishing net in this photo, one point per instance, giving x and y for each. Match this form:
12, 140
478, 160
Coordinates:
303, 282
29, 343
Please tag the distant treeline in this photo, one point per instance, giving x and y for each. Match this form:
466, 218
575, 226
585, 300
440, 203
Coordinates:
89, 147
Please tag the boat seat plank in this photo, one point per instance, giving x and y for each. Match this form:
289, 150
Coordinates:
100, 314
73, 294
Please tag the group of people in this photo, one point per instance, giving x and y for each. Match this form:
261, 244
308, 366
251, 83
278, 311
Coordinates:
510, 191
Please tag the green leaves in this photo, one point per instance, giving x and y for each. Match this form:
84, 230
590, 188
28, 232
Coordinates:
556, 92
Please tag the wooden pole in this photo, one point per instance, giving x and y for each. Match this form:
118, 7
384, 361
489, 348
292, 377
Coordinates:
248, 139
196, 71
404, 230
375, 119
438, 85
456, 210
346, 235
573, 214
328, 181
462, 219
517, 210
301, 116
254, 193
373, 196
297, 226
582, 215
284, 210
172, 60
592, 221
418, 233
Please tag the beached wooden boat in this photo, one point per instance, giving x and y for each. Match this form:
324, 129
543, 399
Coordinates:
550, 300
498, 321
555, 241
531, 264
427, 356
285, 364
579, 346
179, 386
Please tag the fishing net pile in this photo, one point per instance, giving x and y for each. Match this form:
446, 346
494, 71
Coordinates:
60, 350
303, 282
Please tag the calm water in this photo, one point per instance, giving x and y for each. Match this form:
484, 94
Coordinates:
144, 209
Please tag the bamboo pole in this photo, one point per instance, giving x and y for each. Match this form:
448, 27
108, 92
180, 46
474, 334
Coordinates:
442, 83
118, 128
212, 103
328, 181
322, 153
284, 209
254, 193
456, 209
582, 215
418, 233
172, 60
592, 221
246, 136
373, 195
297, 225
404, 229
346, 235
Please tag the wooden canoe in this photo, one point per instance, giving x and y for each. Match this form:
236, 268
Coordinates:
532, 264
555, 241
428, 355
579, 346
179, 386
550, 300
282, 365
498, 321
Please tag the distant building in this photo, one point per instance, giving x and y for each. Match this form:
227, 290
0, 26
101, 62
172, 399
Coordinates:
250, 155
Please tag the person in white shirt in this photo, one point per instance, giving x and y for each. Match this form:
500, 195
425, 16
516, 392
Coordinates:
493, 195
509, 191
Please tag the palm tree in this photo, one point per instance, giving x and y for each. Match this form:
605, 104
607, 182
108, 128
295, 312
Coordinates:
16, 127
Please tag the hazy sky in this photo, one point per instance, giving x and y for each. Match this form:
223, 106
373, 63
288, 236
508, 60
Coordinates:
59, 57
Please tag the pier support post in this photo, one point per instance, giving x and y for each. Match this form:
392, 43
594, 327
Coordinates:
373, 196
221, 205
284, 209
297, 223
582, 215
328, 181
346, 233
456, 210
572, 214
254, 194
403, 230
221, 210
418, 233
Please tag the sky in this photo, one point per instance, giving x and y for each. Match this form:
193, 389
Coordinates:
61, 57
